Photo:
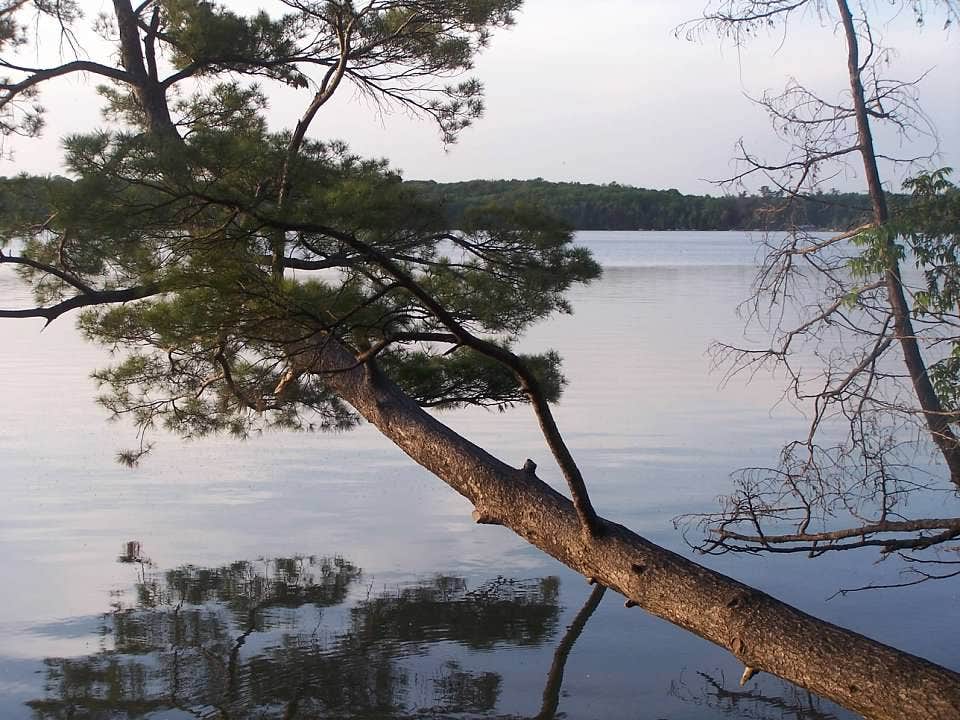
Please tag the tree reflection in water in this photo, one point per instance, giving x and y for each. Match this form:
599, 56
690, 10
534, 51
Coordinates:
752, 704
256, 640
247, 641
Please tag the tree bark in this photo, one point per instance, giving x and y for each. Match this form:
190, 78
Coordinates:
937, 420
878, 681
150, 94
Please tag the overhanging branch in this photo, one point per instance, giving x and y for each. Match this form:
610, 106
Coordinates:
98, 297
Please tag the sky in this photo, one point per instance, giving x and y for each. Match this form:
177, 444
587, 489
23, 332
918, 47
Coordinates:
598, 92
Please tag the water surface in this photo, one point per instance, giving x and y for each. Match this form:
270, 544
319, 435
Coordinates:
327, 575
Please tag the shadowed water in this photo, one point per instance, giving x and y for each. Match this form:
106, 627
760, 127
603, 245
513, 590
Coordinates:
328, 576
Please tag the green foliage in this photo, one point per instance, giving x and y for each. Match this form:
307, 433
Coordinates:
207, 35
26, 201
925, 230
437, 39
407, 53
466, 378
401, 49
25, 117
880, 250
507, 268
239, 244
208, 351
930, 225
582, 206
622, 207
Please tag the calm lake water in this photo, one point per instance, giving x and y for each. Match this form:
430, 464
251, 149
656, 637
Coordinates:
328, 576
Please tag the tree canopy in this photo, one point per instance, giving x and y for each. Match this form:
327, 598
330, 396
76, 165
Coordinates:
621, 207
181, 207
582, 206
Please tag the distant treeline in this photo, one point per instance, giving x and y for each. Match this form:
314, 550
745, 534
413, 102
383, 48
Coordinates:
26, 198
622, 207
585, 207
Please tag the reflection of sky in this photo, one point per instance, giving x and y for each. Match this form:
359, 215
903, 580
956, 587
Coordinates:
656, 435
669, 249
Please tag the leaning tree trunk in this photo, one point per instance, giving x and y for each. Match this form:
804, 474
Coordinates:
937, 420
766, 634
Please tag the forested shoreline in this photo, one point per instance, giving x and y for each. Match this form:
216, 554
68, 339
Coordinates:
583, 206
623, 207
27, 198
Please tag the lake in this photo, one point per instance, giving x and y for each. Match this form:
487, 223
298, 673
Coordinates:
301, 575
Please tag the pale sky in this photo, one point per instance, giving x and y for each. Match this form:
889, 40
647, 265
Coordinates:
597, 92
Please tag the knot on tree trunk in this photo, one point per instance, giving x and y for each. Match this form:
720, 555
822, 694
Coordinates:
481, 517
